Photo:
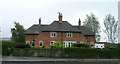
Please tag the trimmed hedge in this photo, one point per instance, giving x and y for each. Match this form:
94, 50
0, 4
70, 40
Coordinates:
68, 52
6, 47
37, 52
91, 53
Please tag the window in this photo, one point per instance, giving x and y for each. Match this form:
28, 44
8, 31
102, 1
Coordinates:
33, 43
88, 43
81, 42
27, 42
52, 42
69, 34
92, 44
53, 34
40, 43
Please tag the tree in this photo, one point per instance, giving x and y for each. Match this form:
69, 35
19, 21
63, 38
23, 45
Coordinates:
92, 23
111, 28
18, 34
57, 45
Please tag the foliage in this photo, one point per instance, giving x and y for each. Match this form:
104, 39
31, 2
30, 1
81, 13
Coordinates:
7, 47
111, 28
22, 46
68, 52
92, 23
80, 45
18, 34
111, 45
90, 53
57, 44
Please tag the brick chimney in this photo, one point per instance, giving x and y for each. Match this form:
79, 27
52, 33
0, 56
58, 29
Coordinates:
39, 21
79, 22
60, 17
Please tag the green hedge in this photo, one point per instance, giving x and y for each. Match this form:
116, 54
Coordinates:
6, 47
91, 53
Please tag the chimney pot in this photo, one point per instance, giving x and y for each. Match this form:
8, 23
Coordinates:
60, 17
79, 22
39, 21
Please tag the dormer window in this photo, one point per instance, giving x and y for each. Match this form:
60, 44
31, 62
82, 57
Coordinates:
53, 34
69, 34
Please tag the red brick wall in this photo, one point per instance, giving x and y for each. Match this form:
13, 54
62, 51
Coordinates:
45, 37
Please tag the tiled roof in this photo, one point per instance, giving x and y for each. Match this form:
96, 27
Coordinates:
56, 26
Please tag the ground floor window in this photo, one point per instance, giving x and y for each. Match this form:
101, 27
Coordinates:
33, 43
27, 42
40, 43
92, 44
52, 42
81, 42
68, 43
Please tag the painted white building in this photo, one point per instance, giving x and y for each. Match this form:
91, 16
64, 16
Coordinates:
100, 45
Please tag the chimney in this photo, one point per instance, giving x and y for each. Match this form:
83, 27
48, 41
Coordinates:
79, 22
39, 21
60, 17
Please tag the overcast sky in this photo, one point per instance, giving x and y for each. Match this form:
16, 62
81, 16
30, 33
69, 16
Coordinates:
27, 12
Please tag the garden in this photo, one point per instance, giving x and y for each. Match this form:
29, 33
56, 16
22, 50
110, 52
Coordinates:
81, 51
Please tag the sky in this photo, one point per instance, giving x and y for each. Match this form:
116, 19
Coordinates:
28, 12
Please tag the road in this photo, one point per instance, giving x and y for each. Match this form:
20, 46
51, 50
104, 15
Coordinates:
37, 62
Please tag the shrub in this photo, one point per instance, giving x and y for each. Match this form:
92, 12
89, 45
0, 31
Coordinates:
22, 46
57, 45
80, 45
91, 53
7, 47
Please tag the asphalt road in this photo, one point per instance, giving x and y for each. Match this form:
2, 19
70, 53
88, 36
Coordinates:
37, 62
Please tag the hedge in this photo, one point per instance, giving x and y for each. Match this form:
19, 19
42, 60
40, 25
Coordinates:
68, 52
91, 53
37, 52
6, 47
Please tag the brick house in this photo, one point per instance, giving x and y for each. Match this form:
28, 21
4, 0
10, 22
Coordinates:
40, 35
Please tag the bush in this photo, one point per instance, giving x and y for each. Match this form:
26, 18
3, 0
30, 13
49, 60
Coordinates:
57, 45
80, 45
90, 53
22, 46
7, 47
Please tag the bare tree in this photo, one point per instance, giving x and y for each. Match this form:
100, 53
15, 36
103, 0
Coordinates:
111, 28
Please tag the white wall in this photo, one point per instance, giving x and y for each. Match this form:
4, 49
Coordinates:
99, 46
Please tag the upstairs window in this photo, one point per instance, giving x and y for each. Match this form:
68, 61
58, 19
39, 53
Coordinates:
69, 34
27, 42
53, 34
40, 43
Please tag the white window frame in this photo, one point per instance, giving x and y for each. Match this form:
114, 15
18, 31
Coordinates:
91, 43
39, 43
81, 42
69, 33
34, 43
27, 43
66, 43
51, 34
52, 41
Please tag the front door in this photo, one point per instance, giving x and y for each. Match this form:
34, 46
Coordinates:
68, 43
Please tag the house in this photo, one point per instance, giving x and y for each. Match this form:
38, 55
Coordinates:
40, 35
100, 45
